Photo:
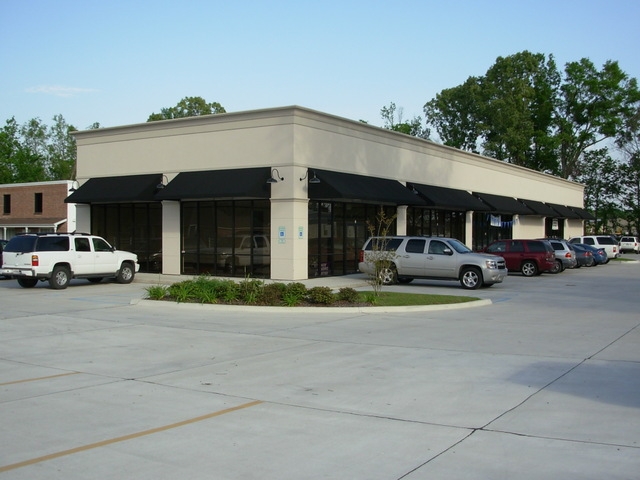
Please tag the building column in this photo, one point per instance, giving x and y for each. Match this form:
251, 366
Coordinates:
468, 229
83, 218
171, 252
289, 239
401, 220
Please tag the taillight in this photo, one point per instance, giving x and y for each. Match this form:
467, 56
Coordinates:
361, 256
567, 255
35, 261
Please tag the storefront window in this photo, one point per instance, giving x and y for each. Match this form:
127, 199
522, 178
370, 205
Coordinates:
227, 238
337, 231
436, 223
488, 228
134, 227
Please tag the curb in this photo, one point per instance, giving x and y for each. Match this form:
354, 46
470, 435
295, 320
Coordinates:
236, 308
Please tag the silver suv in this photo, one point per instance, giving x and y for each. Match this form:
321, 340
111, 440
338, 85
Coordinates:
565, 255
401, 259
59, 257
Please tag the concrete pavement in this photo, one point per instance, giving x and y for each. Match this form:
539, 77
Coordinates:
540, 384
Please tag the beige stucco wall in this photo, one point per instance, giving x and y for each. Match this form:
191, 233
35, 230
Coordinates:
294, 136
293, 139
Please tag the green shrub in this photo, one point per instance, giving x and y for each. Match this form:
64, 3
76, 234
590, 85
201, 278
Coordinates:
249, 290
371, 298
183, 291
205, 289
348, 294
156, 292
228, 291
321, 295
272, 294
294, 293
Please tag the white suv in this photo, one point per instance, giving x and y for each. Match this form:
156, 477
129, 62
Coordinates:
630, 244
606, 242
402, 259
59, 257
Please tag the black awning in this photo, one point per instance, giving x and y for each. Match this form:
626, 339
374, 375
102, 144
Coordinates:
448, 198
582, 213
246, 183
539, 208
128, 188
563, 211
335, 186
506, 205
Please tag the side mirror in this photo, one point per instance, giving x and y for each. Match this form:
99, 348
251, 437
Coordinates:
447, 251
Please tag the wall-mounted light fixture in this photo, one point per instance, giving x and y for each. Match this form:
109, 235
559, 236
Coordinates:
313, 179
163, 182
273, 179
74, 186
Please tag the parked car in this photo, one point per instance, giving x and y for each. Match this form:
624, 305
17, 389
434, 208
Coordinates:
405, 258
584, 256
565, 255
531, 257
59, 257
629, 244
607, 242
599, 254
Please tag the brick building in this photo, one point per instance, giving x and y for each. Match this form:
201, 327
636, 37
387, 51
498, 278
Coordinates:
36, 207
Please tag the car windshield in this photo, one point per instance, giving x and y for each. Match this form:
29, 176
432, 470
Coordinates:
459, 247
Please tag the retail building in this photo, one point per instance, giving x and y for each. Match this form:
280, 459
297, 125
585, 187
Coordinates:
291, 193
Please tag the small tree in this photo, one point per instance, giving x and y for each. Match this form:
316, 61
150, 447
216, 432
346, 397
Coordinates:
379, 255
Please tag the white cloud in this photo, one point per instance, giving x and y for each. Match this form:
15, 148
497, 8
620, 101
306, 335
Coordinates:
59, 91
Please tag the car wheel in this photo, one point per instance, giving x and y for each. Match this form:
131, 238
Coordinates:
592, 262
60, 278
126, 273
557, 267
27, 282
529, 269
471, 278
388, 275
95, 279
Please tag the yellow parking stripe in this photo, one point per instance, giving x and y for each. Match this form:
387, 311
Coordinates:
38, 378
131, 436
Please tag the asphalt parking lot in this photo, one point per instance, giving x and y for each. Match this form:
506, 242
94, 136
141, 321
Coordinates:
543, 383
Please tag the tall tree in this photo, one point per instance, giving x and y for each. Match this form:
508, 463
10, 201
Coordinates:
454, 113
601, 176
188, 107
34, 152
61, 150
525, 112
629, 143
412, 127
594, 106
517, 97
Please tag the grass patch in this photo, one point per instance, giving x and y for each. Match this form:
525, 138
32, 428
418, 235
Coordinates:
396, 299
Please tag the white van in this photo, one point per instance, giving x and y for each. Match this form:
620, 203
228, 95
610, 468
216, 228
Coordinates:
607, 242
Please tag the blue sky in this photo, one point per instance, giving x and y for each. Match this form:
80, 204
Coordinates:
116, 62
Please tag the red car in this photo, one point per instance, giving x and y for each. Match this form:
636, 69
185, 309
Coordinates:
531, 257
